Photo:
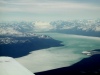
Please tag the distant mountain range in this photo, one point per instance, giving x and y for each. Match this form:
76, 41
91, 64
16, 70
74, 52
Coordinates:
78, 27
82, 27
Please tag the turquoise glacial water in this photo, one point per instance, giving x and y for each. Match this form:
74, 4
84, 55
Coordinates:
77, 42
56, 57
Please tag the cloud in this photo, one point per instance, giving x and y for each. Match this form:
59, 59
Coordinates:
44, 7
30, 1
49, 8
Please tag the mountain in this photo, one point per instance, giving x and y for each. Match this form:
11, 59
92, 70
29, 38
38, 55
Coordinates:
78, 27
18, 45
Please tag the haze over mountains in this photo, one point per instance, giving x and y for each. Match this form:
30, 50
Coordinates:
80, 27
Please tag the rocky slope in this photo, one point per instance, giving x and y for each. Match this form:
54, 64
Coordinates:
21, 45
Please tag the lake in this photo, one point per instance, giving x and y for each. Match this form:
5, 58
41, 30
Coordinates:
57, 57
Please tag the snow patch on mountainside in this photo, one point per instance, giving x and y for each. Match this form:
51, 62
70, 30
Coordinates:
9, 30
97, 28
42, 26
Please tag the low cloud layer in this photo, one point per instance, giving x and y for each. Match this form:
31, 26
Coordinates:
47, 10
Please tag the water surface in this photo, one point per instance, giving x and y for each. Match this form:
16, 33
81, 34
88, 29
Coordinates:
56, 57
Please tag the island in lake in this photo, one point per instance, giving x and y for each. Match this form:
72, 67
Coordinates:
92, 52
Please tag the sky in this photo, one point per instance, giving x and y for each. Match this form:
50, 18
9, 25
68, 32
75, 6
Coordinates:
48, 10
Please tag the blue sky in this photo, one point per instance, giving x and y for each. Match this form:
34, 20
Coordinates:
48, 10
